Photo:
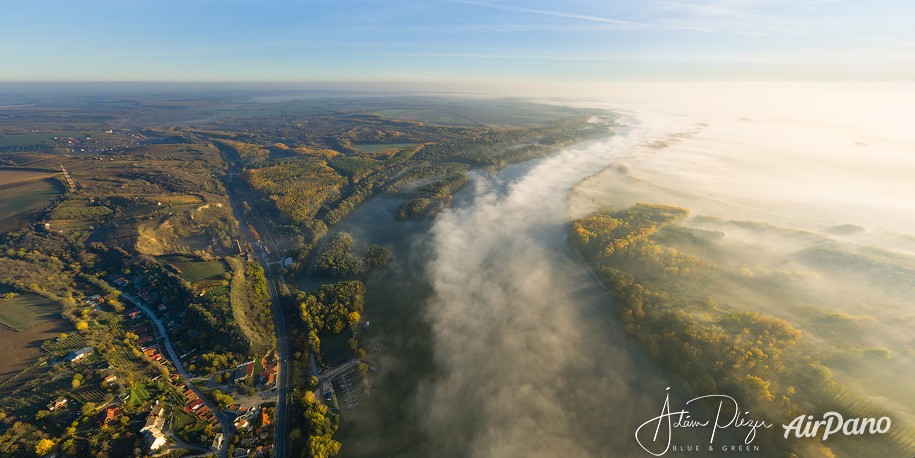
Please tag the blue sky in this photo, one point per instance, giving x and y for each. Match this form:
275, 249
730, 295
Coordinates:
433, 40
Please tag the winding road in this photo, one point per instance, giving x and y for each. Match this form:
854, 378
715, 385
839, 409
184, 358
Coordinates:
225, 423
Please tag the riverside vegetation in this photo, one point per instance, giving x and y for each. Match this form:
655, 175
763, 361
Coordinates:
686, 312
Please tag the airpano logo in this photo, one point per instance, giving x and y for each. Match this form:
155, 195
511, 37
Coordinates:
833, 423
656, 436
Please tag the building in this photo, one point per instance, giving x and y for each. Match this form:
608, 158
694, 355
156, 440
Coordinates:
265, 417
242, 423
154, 439
217, 442
271, 366
57, 404
112, 414
152, 431
156, 419
77, 355
243, 371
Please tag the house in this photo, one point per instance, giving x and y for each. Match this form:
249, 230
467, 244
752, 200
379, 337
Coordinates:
269, 362
111, 415
193, 405
265, 417
203, 412
243, 371
155, 420
152, 431
77, 355
154, 438
217, 442
271, 377
110, 378
57, 403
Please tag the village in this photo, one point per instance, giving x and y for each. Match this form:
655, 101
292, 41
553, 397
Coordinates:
243, 396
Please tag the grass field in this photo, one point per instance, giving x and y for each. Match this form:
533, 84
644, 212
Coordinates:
180, 199
373, 147
181, 419
138, 395
26, 310
193, 269
26, 138
23, 193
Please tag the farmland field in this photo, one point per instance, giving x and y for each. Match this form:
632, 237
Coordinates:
26, 310
29, 138
373, 147
24, 192
22, 348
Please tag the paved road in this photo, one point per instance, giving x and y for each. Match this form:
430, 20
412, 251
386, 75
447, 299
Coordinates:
204, 451
227, 427
284, 376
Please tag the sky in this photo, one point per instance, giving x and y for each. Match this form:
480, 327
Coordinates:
456, 40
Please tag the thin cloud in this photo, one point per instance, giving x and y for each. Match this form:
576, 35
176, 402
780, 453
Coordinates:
551, 13
699, 22
907, 43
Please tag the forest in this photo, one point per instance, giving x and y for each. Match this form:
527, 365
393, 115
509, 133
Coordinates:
339, 258
333, 307
672, 303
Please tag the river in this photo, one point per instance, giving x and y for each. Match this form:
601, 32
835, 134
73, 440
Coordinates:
493, 339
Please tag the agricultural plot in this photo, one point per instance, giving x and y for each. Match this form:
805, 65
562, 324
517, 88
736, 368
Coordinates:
89, 394
23, 193
26, 138
374, 147
194, 269
79, 209
23, 311
21, 349
60, 347
180, 199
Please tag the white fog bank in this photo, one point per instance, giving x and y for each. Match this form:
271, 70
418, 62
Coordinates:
532, 361
814, 155
811, 185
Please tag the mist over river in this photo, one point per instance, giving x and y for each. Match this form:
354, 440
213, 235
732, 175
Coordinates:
494, 339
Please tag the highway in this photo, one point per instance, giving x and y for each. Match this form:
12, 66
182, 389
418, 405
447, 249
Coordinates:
225, 423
